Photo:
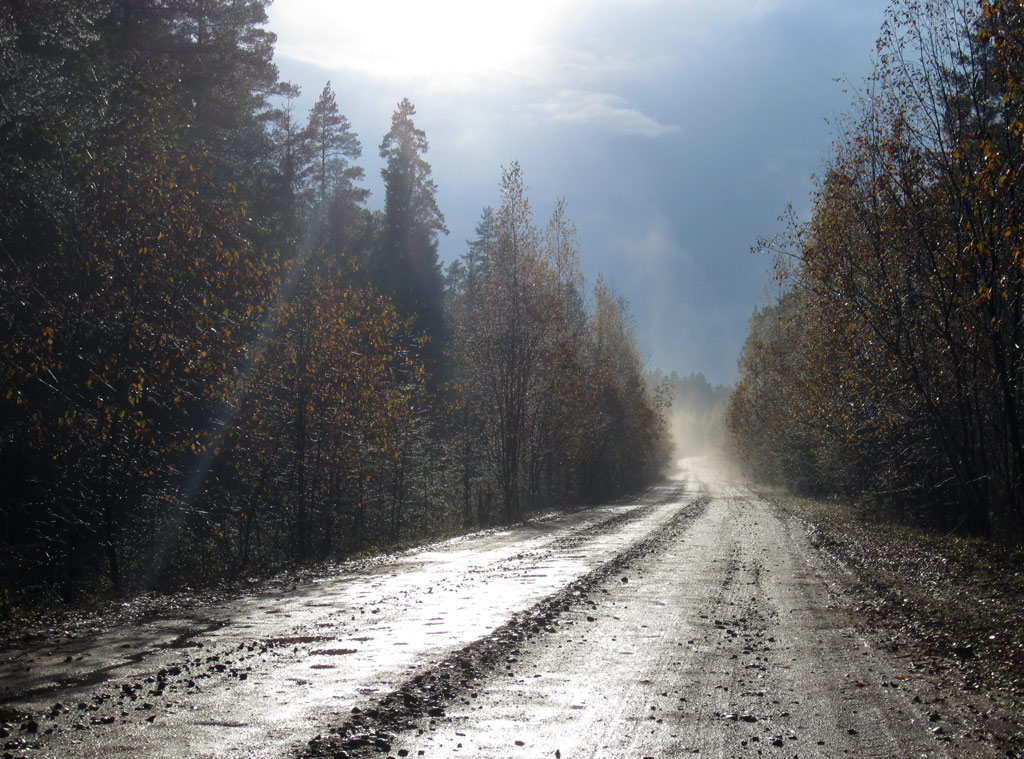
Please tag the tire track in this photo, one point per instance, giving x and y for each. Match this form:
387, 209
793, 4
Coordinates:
430, 693
724, 642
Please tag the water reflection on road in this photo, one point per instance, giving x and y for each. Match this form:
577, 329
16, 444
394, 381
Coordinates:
256, 675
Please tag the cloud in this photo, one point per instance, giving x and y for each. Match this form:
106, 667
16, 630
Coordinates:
604, 110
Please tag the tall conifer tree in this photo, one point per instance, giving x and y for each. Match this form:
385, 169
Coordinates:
407, 266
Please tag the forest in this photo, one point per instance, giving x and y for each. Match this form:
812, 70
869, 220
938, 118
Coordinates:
891, 367
216, 359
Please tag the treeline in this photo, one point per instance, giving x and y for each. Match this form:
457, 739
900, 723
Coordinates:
217, 359
892, 365
696, 411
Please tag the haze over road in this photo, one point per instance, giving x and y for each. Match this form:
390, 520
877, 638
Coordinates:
694, 621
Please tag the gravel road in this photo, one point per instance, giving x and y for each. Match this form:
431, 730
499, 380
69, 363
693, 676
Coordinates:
696, 621
726, 640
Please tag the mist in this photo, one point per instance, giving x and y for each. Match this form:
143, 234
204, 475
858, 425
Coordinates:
697, 414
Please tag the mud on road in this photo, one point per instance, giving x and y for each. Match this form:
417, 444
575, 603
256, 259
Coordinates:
700, 620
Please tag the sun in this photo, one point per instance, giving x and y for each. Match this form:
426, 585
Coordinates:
415, 39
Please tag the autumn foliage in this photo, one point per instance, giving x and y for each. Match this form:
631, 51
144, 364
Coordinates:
892, 365
216, 359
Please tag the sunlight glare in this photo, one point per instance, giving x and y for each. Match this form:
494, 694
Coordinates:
412, 39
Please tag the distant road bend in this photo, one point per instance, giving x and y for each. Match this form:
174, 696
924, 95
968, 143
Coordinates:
694, 621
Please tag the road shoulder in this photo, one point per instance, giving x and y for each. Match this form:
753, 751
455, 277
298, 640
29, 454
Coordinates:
948, 606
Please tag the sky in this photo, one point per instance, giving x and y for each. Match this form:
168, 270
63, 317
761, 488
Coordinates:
678, 131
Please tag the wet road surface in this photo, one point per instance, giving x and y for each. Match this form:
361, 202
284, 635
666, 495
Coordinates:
258, 676
724, 642
695, 622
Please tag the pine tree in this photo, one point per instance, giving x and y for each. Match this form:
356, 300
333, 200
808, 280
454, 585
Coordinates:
288, 142
331, 146
407, 266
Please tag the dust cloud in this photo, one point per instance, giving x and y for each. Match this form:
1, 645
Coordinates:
697, 414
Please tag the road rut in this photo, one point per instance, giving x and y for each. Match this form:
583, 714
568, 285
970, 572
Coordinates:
729, 641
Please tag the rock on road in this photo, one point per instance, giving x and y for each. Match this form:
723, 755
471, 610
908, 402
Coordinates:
694, 622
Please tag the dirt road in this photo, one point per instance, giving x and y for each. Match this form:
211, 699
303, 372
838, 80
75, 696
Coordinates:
697, 621
724, 642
